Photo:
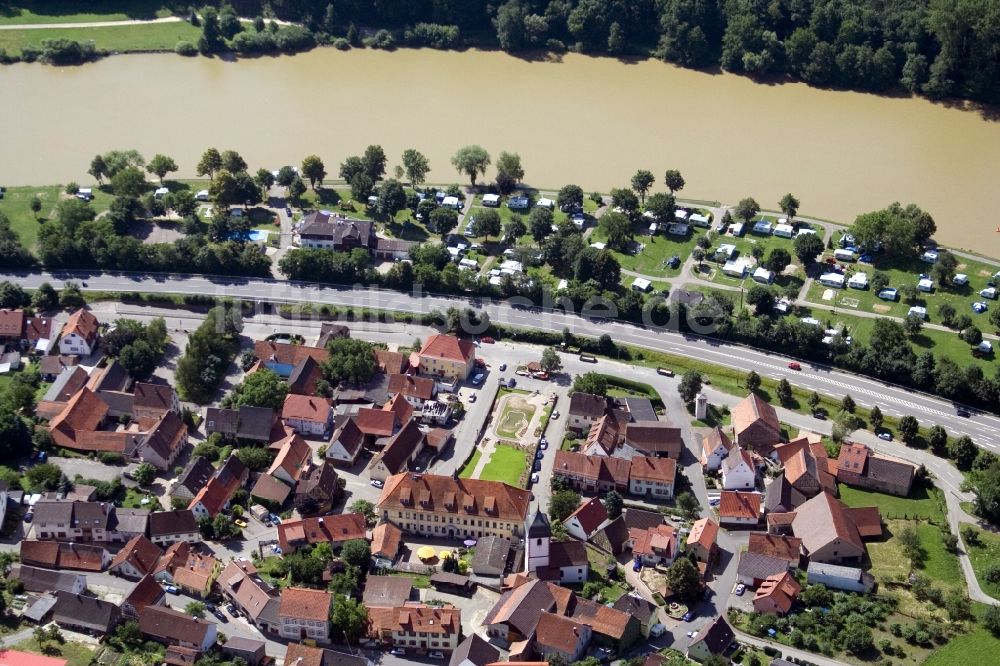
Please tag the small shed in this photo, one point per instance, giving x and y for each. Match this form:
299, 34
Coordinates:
725, 251
452, 582
735, 268
836, 577
737, 229
642, 284
763, 275
698, 220
518, 203
925, 284
784, 230
451, 202
960, 279
835, 280
858, 281
491, 200
763, 227
548, 204
918, 311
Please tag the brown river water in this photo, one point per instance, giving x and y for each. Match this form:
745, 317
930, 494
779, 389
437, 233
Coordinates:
592, 121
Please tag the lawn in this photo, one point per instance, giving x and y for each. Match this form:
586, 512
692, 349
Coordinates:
150, 37
907, 271
471, 465
67, 11
972, 649
514, 418
922, 503
404, 225
133, 500
507, 464
889, 562
506, 214
985, 555
75, 654
16, 205
655, 251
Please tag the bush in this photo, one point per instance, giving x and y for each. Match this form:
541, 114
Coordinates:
382, 39
185, 48
111, 458
341, 44
66, 51
254, 42
72, 187
294, 38
434, 35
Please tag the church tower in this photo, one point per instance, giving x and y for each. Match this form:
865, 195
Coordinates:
537, 542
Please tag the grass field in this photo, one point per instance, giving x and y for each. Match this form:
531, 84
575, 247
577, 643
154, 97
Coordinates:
514, 418
972, 649
67, 11
75, 654
655, 251
922, 503
470, 466
889, 562
150, 37
506, 464
16, 205
985, 555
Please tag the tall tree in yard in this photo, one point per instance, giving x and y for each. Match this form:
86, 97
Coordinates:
36, 206
472, 161
673, 180
784, 392
753, 381
641, 182
314, 170
509, 171
689, 386
908, 428
161, 165
210, 163
746, 209
416, 166
374, 162
789, 205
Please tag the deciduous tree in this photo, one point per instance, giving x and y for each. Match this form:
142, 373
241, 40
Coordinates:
746, 209
908, 428
550, 361
563, 503
642, 181
683, 580
509, 171
161, 165
472, 161
689, 386
374, 161
487, 223
789, 205
313, 170
807, 247
416, 166
673, 180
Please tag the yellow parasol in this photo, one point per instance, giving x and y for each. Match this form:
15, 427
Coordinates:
444, 554
425, 553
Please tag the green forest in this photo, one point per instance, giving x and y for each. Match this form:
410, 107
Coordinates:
937, 48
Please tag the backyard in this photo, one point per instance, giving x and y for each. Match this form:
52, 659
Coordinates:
985, 556
16, 205
923, 502
889, 563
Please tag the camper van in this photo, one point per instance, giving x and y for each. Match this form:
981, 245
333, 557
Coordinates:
843, 255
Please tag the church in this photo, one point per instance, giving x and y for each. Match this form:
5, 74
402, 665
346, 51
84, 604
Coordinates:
560, 562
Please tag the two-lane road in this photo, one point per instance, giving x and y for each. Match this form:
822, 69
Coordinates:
893, 400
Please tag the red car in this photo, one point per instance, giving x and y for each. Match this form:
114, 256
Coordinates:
487, 340
794, 366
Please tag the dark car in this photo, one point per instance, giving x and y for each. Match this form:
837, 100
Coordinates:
819, 415
219, 614
511, 383
961, 411
674, 261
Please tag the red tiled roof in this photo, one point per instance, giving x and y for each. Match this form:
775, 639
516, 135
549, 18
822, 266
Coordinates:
781, 589
751, 410
144, 593
83, 323
11, 323
734, 504
559, 633
297, 654
649, 541
293, 456
597, 468
591, 513
663, 470
287, 354
16, 658
390, 362
468, 495
330, 528
448, 347
304, 604
402, 409
386, 539
306, 408
418, 387
782, 547
215, 494
376, 422
703, 533
140, 552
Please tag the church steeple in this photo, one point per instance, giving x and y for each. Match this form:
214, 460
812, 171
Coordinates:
539, 534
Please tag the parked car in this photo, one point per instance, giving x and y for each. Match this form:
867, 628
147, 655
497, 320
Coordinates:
740, 589
555, 415
487, 340
885, 435
503, 366
534, 478
511, 383
231, 607
171, 589
477, 378
688, 616
544, 445
436, 654
657, 630
472, 398
398, 652
692, 634
219, 614
637, 566
961, 411
28, 517
377, 483
538, 466
239, 522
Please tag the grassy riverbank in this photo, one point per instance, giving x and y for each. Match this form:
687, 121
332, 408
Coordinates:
125, 38
68, 11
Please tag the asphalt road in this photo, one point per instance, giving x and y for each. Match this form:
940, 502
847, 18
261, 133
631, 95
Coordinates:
891, 399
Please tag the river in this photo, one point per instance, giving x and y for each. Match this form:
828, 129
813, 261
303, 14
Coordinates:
592, 121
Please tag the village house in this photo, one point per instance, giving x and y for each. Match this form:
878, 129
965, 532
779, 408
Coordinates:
634, 605
34, 579
77, 426
754, 568
38, 334
323, 230
193, 571
399, 454
859, 466
585, 409
491, 557
386, 541
592, 474
448, 357
298, 654
308, 415
387, 591
293, 458
474, 651
194, 477
835, 577
78, 612
136, 559
561, 636
152, 401
321, 485
560, 561
167, 527
173, 627
713, 639
335, 529
415, 390
715, 447
655, 439
419, 627
806, 467
345, 443
74, 521
654, 546
756, 425
739, 508
586, 519
250, 650
738, 470
776, 594
785, 548
304, 613
11, 325
50, 367
444, 506
63, 555
831, 532
251, 423
79, 334
701, 541
652, 477
164, 442
146, 592
255, 599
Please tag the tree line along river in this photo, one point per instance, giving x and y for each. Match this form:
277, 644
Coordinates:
592, 121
